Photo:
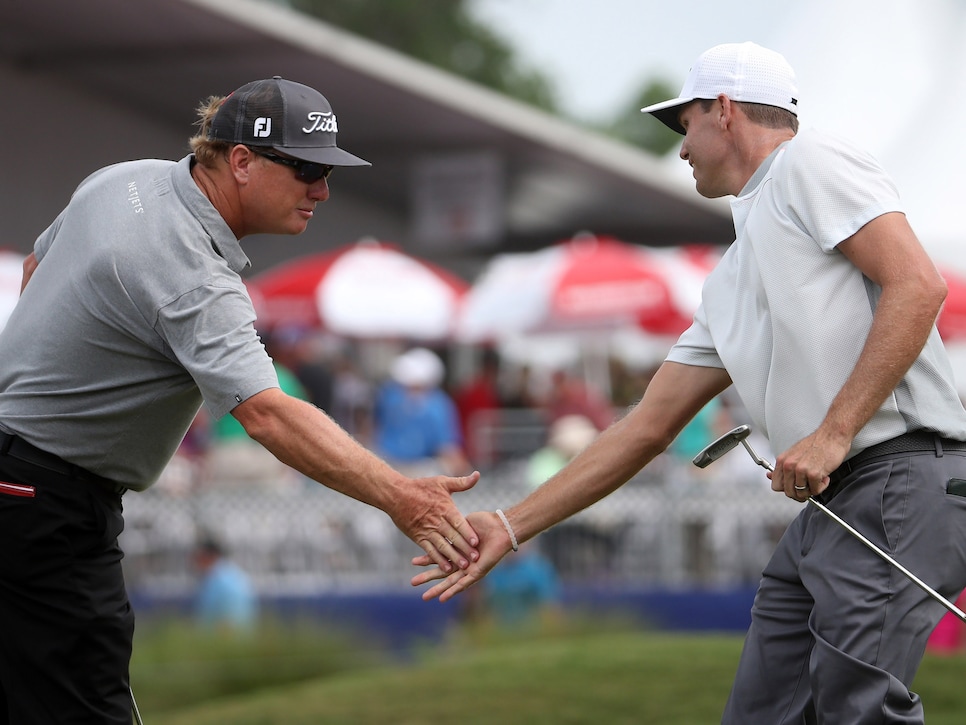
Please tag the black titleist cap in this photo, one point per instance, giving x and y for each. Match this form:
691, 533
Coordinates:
285, 116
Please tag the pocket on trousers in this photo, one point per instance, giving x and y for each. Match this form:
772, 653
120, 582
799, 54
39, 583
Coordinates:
956, 487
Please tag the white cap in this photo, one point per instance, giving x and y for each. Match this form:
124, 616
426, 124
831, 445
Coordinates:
418, 367
744, 72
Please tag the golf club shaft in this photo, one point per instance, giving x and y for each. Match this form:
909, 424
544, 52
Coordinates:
134, 710
912, 577
875, 549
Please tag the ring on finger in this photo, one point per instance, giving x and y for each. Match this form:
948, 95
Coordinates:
801, 488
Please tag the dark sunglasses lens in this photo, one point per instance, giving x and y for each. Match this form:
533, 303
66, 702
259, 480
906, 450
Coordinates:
310, 173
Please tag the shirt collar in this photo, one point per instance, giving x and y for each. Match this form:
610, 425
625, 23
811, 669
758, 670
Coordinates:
222, 238
762, 171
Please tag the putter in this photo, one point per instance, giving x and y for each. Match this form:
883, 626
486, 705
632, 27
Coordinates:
134, 709
732, 438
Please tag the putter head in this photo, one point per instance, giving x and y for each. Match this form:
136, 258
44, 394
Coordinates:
713, 451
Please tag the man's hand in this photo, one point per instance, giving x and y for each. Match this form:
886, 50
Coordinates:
803, 470
495, 543
428, 516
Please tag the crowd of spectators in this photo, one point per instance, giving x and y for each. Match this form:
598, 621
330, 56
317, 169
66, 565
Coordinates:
405, 403
444, 409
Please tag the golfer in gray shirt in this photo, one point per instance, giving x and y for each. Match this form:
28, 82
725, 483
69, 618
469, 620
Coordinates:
132, 315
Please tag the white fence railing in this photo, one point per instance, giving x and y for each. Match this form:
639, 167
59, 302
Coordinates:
671, 525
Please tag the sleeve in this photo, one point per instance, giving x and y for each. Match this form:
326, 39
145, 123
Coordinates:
834, 189
695, 346
211, 332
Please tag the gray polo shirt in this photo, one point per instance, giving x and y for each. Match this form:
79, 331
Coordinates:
787, 314
135, 314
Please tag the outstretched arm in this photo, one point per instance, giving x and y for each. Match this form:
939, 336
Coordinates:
305, 438
674, 396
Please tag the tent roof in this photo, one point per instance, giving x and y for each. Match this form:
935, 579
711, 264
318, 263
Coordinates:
156, 61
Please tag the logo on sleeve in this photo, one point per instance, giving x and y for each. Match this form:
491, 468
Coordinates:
319, 121
263, 127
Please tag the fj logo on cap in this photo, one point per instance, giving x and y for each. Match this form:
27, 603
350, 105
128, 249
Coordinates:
324, 122
263, 127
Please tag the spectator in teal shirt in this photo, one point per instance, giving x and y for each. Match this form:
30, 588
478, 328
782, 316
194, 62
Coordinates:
226, 599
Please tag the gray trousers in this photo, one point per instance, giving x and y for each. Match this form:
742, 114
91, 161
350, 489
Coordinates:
837, 634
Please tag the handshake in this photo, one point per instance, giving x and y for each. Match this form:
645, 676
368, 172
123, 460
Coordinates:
496, 538
459, 550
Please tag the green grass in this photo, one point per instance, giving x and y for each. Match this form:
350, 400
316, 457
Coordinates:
564, 677
176, 665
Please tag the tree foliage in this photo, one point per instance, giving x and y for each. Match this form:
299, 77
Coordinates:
641, 129
442, 33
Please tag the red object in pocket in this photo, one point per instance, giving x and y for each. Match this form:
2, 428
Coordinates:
17, 489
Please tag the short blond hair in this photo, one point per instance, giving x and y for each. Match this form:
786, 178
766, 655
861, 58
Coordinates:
207, 150
770, 116
761, 114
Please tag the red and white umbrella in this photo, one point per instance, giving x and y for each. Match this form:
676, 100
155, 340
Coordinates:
11, 277
952, 317
365, 290
588, 283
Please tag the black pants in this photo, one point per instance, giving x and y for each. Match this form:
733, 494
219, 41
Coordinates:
66, 625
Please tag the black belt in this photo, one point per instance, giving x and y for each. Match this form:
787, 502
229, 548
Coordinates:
16, 447
920, 441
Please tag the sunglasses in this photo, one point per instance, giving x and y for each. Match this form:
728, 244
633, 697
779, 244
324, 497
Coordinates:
307, 171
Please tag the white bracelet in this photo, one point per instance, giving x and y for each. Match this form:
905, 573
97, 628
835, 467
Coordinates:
509, 529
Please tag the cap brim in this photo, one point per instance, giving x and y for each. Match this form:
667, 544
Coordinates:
667, 113
329, 155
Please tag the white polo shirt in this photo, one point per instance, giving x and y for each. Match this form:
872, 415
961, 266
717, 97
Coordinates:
787, 314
